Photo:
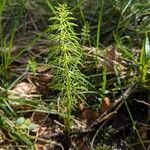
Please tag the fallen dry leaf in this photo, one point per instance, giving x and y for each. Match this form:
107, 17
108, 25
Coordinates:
25, 88
143, 132
82, 144
105, 105
87, 115
22, 90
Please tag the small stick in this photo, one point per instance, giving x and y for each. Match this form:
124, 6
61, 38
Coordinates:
142, 101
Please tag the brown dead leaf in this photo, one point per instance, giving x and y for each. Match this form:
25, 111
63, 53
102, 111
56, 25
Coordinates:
25, 88
88, 115
42, 79
105, 105
143, 132
111, 57
22, 90
82, 144
44, 146
41, 131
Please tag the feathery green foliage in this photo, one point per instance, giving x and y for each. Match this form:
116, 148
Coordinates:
65, 58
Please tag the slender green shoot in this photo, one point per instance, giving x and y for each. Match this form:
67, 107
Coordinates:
50, 6
2, 6
134, 125
6, 57
99, 29
144, 60
78, 5
104, 83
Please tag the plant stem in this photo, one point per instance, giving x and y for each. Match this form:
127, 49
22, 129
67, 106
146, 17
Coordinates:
99, 30
134, 125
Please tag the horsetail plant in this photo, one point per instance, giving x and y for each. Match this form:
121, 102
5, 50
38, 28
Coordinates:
86, 34
65, 59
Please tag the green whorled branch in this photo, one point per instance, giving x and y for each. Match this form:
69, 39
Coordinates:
66, 57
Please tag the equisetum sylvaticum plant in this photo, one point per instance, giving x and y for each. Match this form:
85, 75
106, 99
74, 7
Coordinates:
65, 59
